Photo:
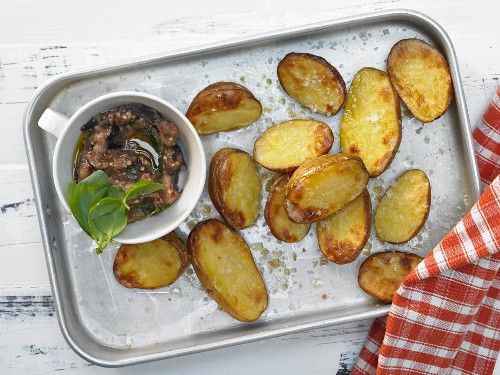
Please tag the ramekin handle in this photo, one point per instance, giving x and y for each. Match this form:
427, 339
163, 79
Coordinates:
52, 122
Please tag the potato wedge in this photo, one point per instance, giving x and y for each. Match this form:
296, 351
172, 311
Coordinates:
371, 123
343, 235
313, 82
224, 264
421, 76
323, 185
381, 274
285, 146
234, 186
276, 218
404, 208
151, 265
223, 106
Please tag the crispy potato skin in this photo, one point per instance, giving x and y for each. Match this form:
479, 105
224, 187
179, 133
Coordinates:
313, 82
343, 235
225, 267
234, 187
421, 76
371, 123
285, 146
277, 219
404, 208
151, 265
381, 274
323, 185
223, 106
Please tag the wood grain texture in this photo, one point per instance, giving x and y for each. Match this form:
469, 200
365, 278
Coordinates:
39, 40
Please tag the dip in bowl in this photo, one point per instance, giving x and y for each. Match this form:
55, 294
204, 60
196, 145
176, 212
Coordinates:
185, 182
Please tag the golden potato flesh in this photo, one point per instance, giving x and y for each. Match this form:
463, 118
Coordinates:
371, 122
277, 219
234, 186
421, 76
151, 265
343, 235
285, 146
224, 264
223, 106
323, 185
313, 82
404, 208
381, 274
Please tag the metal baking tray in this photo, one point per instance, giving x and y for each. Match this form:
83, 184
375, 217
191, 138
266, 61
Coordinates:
110, 325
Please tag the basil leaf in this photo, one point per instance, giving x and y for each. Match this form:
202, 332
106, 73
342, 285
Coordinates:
70, 190
101, 242
101, 208
82, 196
142, 188
116, 192
72, 199
106, 219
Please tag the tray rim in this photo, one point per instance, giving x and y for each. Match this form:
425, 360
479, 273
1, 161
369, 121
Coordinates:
54, 84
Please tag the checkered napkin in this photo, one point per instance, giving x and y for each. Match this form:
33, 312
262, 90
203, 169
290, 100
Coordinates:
445, 317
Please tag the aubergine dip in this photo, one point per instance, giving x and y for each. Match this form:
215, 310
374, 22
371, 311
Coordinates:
131, 143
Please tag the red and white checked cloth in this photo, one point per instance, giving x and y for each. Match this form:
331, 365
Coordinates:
445, 317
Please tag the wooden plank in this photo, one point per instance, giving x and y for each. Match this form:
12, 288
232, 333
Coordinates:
29, 325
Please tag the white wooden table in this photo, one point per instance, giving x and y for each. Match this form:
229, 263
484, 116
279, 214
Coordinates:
41, 39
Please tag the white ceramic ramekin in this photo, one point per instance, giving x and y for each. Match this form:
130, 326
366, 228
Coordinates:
191, 181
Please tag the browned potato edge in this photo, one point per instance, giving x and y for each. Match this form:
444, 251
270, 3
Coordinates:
355, 251
214, 87
204, 280
171, 238
381, 295
397, 85
267, 214
424, 220
214, 185
323, 62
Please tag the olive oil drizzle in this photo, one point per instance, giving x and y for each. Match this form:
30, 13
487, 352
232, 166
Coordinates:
142, 140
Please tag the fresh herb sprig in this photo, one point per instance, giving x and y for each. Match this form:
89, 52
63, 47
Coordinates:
101, 208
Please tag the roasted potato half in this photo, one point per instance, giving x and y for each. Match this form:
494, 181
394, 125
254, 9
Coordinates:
371, 123
285, 146
313, 82
381, 274
323, 185
421, 76
151, 265
404, 208
277, 219
223, 106
343, 235
224, 264
234, 186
